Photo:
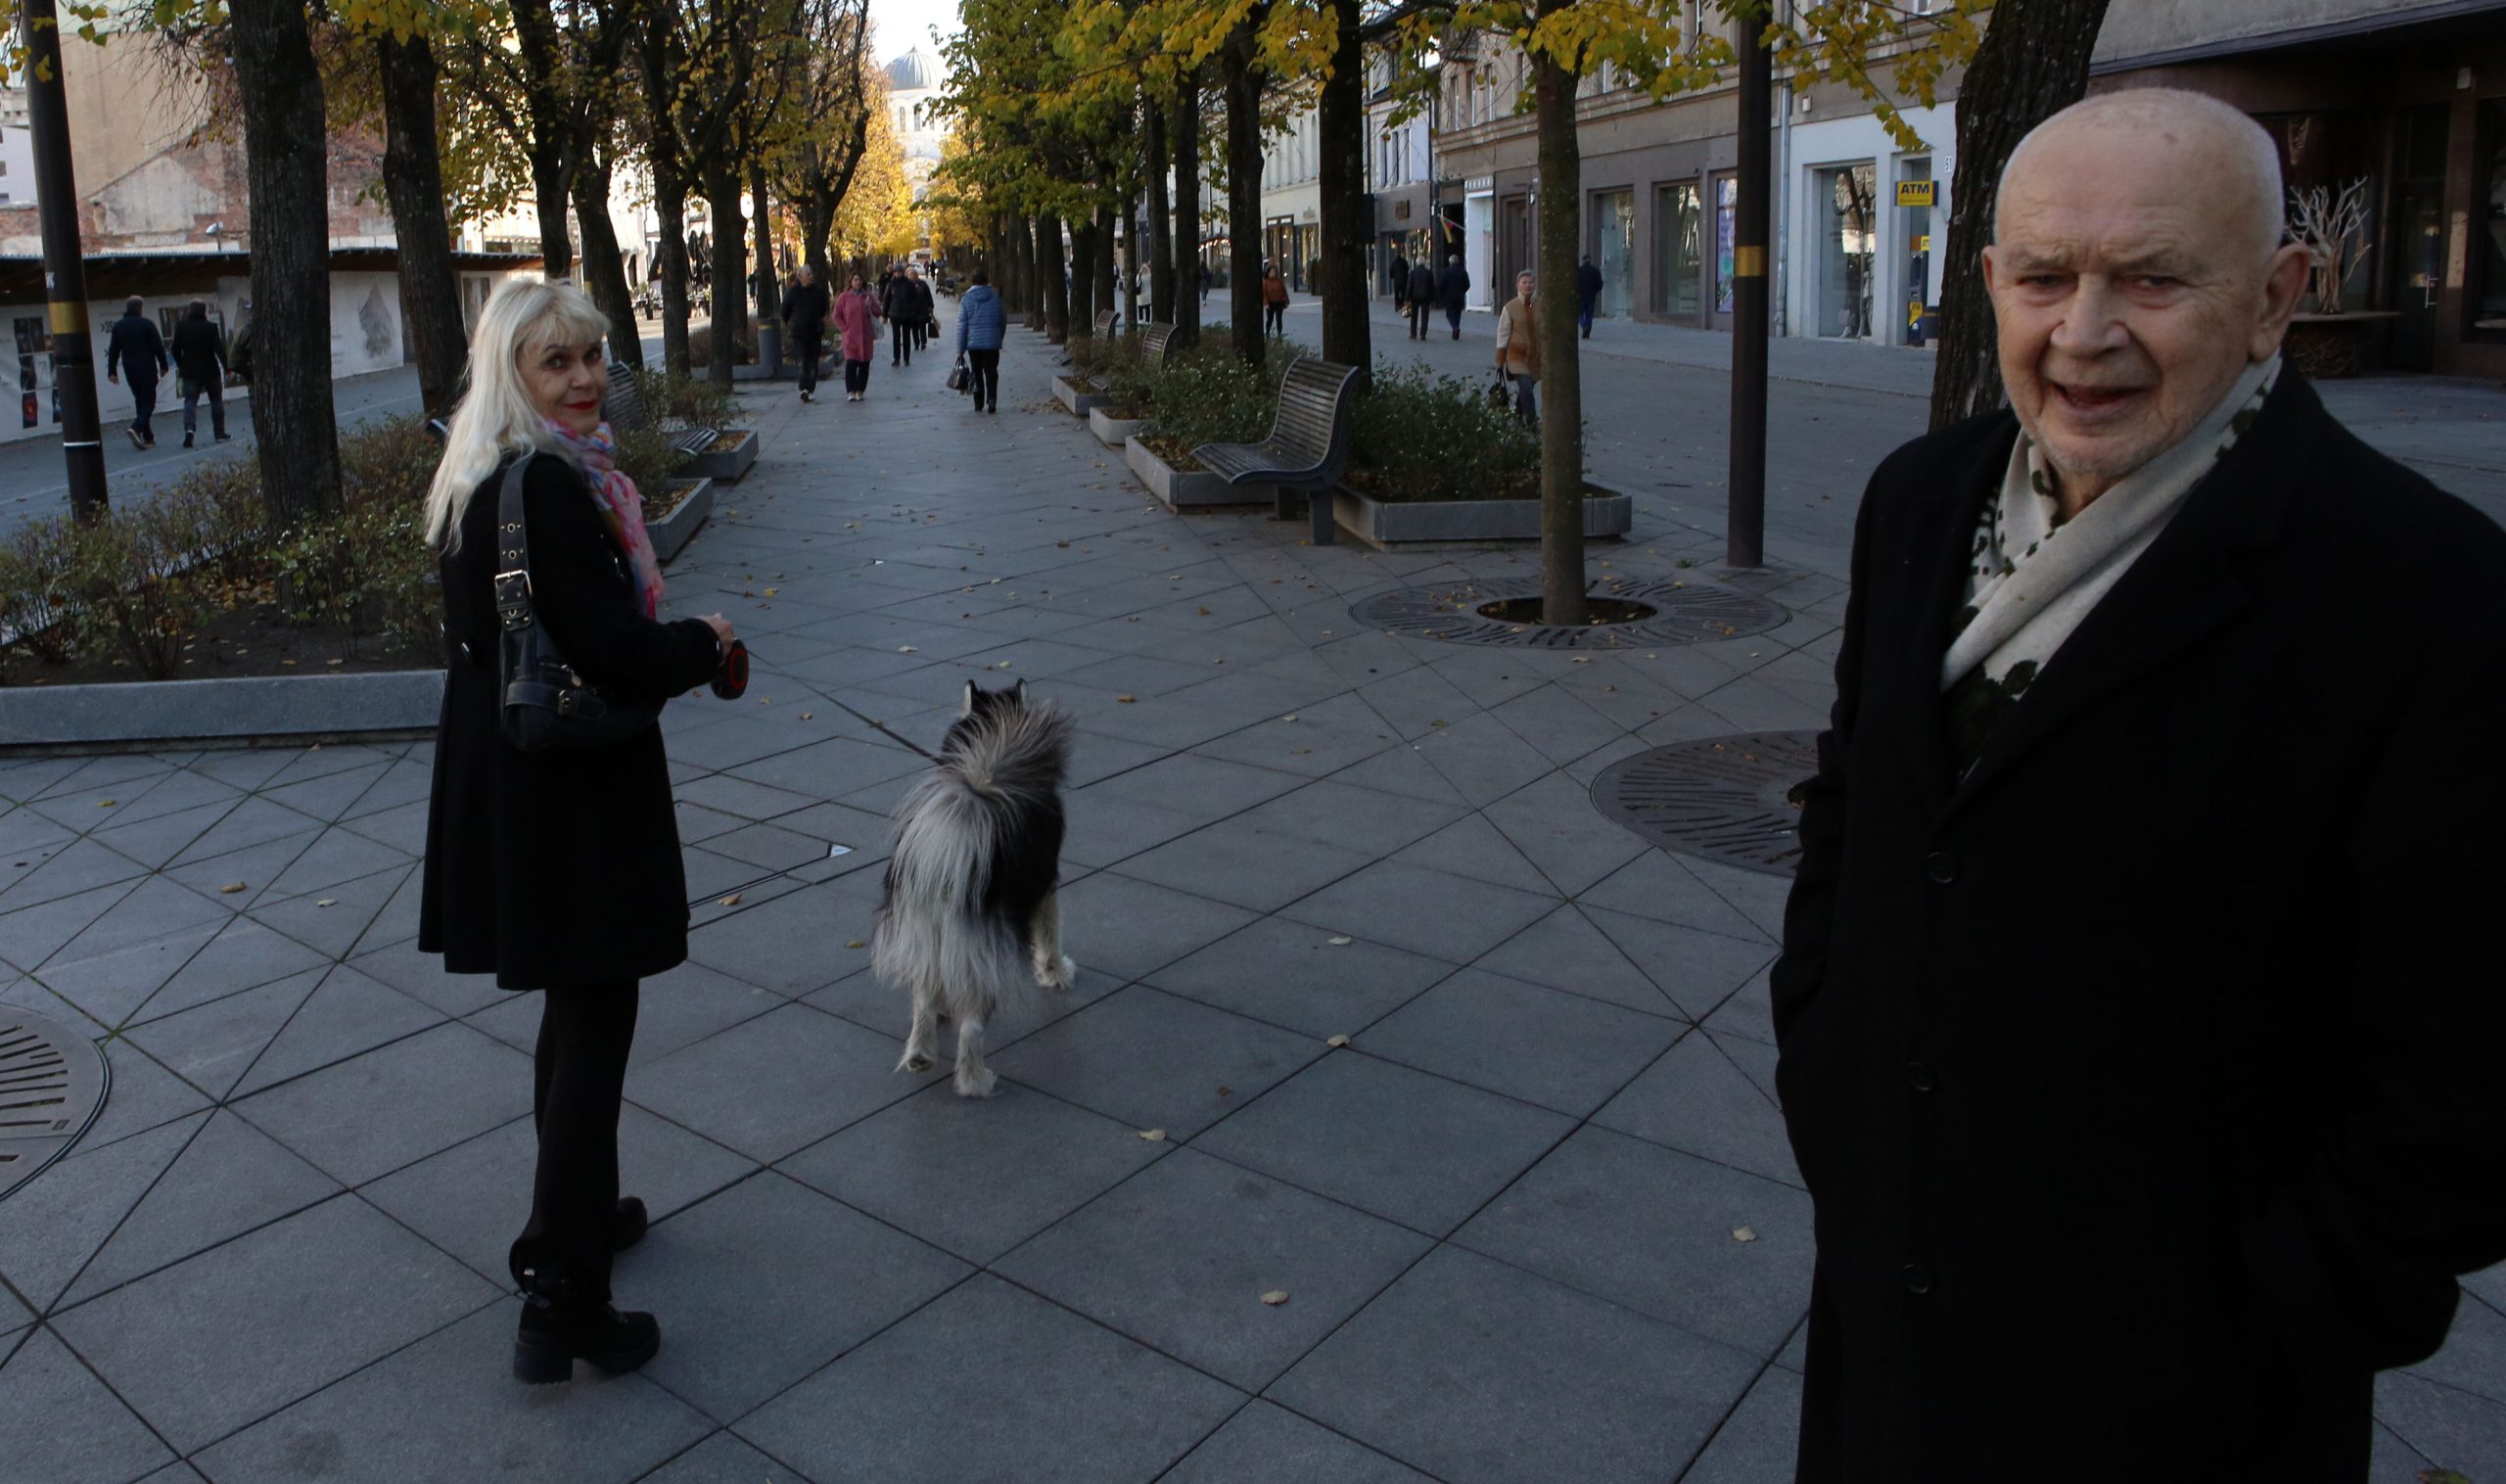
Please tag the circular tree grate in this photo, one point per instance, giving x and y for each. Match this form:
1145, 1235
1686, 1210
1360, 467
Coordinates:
1727, 799
52, 1083
1682, 612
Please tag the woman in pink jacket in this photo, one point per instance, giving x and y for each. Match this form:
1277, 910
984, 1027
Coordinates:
853, 314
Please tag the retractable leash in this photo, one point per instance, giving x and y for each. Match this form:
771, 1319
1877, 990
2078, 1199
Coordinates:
731, 682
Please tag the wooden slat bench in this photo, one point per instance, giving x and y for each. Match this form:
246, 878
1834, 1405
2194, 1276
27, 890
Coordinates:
624, 408
1156, 341
1106, 321
1308, 447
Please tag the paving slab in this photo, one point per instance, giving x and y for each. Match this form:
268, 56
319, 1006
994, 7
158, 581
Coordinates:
1302, 977
229, 1179
1065, 1401
1151, 1060
396, 1105
1266, 1444
773, 1085
63, 1425
1546, 1046
1698, 1099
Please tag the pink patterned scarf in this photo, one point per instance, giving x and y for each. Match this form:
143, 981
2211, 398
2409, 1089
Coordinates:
621, 506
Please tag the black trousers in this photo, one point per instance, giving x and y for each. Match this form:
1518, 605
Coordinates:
1275, 318
194, 389
985, 367
1452, 316
578, 1076
811, 345
900, 342
857, 376
1420, 309
143, 406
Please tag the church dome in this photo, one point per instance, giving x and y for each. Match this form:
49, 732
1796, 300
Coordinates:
913, 72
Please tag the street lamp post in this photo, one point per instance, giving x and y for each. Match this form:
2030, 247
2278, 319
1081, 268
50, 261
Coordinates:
64, 266
1745, 519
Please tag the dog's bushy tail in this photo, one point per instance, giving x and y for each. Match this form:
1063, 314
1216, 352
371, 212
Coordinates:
952, 829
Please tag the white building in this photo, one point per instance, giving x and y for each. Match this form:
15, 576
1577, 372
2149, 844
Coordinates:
913, 103
16, 150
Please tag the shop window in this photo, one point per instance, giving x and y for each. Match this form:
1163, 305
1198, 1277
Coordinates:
1615, 249
1844, 203
1727, 238
1678, 219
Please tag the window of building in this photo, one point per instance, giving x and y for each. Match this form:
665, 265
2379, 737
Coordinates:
1677, 213
1843, 204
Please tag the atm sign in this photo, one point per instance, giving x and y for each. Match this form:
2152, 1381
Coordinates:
1916, 193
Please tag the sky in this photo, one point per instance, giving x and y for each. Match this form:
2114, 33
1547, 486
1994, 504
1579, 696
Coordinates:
898, 25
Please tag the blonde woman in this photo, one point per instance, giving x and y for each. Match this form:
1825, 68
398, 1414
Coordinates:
558, 871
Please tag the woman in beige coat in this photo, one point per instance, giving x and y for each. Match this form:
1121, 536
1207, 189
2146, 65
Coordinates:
1518, 347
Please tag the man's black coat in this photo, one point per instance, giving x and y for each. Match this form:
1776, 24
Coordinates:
2148, 1080
805, 306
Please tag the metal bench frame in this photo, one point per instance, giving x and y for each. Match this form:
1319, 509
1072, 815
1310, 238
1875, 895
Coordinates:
624, 408
1157, 342
1308, 447
1107, 322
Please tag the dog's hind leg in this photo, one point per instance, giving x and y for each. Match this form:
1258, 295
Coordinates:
1053, 969
974, 1078
918, 1040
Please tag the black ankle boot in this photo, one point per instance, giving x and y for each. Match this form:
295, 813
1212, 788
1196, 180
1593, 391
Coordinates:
564, 1319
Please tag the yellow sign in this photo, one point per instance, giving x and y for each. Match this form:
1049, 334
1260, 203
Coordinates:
1916, 193
1923, 242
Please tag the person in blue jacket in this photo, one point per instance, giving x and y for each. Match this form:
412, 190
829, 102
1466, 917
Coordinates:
982, 325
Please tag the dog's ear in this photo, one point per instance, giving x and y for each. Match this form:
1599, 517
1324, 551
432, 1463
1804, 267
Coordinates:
1018, 692
966, 707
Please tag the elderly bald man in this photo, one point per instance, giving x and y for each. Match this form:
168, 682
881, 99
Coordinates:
2139, 1004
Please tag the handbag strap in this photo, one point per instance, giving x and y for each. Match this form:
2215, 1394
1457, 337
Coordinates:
513, 552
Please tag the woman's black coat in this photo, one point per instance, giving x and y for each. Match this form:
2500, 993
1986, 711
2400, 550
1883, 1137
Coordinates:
556, 867
2147, 1079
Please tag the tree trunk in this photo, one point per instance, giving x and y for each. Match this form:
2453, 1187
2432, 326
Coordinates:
549, 148
1186, 127
1348, 220
1562, 389
1105, 264
770, 294
1017, 266
730, 294
1161, 225
413, 181
1056, 279
1243, 85
670, 206
2033, 64
1133, 266
604, 266
1032, 234
286, 135
1083, 278
818, 222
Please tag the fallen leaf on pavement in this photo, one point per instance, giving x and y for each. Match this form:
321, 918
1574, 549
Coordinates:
1743, 1234
1342, 942
1337, 1041
1153, 1136
328, 902
855, 943
1127, 700
1276, 1297
230, 889
733, 899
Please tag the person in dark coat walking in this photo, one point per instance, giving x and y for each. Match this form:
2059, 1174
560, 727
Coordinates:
200, 361
1399, 276
1423, 298
2138, 1008
1452, 285
927, 313
1588, 293
558, 871
902, 306
136, 347
805, 306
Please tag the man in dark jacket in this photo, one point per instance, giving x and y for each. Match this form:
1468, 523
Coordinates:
1588, 293
135, 346
2139, 1003
200, 361
901, 304
805, 306
928, 310
1399, 276
1452, 285
1423, 298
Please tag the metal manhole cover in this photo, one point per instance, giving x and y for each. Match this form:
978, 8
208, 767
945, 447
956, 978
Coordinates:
1684, 613
52, 1081
1723, 797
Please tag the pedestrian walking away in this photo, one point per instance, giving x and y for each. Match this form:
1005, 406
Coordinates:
805, 311
1518, 347
1400, 278
136, 348
1454, 286
1423, 298
856, 315
557, 869
902, 306
200, 365
983, 324
1588, 293
1206, 280
2137, 1015
1274, 303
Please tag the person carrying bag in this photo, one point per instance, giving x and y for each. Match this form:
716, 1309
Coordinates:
552, 849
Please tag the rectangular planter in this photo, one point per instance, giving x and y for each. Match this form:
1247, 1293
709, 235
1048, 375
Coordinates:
730, 457
1111, 430
1073, 397
1196, 490
1387, 525
672, 531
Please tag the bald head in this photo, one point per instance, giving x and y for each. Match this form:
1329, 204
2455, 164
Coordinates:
2164, 133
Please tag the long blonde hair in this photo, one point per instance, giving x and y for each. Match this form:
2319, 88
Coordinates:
497, 416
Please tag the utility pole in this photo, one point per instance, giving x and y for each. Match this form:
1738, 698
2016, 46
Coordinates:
65, 264
1745, 521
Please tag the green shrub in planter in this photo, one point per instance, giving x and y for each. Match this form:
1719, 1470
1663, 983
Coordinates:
1207, 395
688, 401
1417, 436
34, 595
366, 573
130, 587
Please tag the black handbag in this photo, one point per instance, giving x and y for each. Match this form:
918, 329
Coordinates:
546, 705
957, 376
1501, 394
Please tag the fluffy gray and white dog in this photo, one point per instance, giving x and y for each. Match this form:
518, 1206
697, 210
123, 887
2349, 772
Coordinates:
971, 922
